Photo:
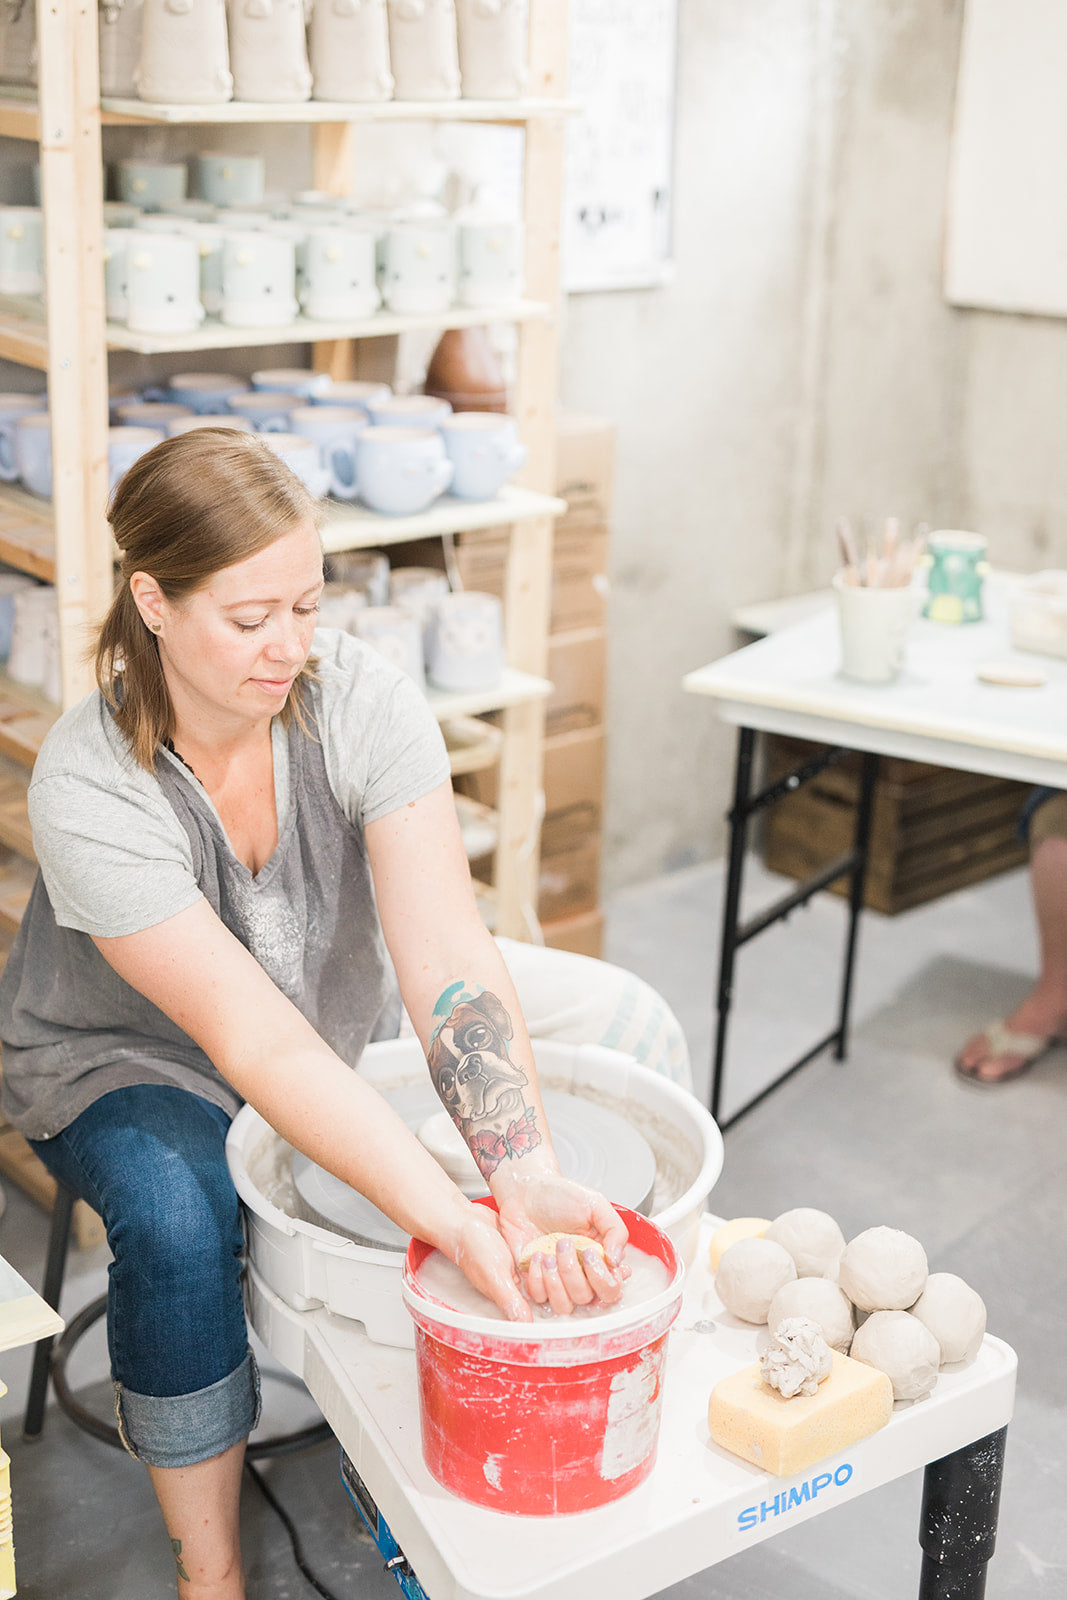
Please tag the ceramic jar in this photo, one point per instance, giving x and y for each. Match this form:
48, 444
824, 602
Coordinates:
149, 184
12, 407
485, 451
120, 47
185, 56
258, 280
492, 48
302, 458
464, 641
21, 250
401, 470
489, 262
268, 413
18, 41
33, 452
207, 393
418, 267
335, 430
409, 411
231, 180
163, 283
268, 51
338, 278
423, 49
348, 46
125, 445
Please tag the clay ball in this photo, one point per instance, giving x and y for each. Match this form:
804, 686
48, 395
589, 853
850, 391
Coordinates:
812, 1238
883, 1270
750, 1274
819, 1300
899, 1345
955, 1315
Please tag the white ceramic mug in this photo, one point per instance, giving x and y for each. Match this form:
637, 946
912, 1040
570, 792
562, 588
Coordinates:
116, 282
33, 452
418, 267
424, 49
12, 407
21, 250
227, 180
208, 393
301, 456
351, 392
489, 263
163, 283
149, 183
157, 414
269, 411
395, 634
464, 641
348, 48
185, 57
258, 280
875, 624
409, 411
485, 450
120, 47
125, 445
338, 278
401, 470
294, 380
492, 48
268, 50
335, 430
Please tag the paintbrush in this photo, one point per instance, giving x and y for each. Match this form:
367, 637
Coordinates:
853, 574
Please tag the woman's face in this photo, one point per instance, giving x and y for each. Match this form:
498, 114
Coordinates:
236, 645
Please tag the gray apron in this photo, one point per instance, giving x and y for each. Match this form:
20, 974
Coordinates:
73, 1030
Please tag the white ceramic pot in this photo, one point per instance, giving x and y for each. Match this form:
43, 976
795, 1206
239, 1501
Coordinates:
120, 47
464, 641
226, 180
348, 47
21, 250
149, 184
18, 41
424, 50
395, 634
335, 429
163, 283
485, 451
489, 263
338, 278
258, 280
401, 470
492, 48
185, 55
409, 411
208, 238
268, 51
418, 266
12, 407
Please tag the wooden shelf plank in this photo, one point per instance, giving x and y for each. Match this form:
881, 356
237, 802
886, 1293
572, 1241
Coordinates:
121, 111
513, 689
215, 335
24, 339
27, 537
18, 117
352, 527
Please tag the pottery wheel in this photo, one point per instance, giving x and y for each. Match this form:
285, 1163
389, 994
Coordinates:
595, 1146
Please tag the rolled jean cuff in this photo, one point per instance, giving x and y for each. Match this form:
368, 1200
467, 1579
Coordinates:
181, 1429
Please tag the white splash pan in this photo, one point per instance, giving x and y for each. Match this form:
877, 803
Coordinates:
308, 1266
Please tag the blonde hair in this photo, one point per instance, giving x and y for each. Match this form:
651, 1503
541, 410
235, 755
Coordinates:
185, 510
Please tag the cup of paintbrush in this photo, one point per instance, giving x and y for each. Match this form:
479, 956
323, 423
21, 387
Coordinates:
876, 603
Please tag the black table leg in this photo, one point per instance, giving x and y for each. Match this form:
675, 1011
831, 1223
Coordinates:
738, 819
857, 883
958, 1527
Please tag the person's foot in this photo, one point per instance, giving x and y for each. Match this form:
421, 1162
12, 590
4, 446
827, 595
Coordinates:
1007, 1049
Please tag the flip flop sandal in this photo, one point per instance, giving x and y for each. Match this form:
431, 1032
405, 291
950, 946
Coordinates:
1003, 1042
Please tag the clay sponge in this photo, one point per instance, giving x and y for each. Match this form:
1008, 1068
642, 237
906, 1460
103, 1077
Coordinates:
546, 1246
954, 1313
883, 1270
750, 1274
812, 1238
899, 1345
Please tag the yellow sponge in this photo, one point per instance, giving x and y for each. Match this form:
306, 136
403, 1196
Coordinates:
753, 1421
730, 1232
547, 1243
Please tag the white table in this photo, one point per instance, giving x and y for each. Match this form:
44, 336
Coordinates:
937, 711
699, 1505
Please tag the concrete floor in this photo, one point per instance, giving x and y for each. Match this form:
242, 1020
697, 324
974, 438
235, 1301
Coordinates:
891, 1137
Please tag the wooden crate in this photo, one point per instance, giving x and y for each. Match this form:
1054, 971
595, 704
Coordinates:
932, 829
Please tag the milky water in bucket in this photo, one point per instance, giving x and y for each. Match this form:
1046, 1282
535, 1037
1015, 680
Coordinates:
443, 1280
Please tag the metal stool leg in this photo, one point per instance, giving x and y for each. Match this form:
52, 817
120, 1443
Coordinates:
55, 1266
958, 1527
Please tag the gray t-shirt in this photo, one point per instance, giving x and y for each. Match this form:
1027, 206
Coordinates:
123, 849
112, 852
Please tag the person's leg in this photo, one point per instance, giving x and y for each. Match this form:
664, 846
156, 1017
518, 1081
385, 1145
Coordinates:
1043, 1013
152, 1161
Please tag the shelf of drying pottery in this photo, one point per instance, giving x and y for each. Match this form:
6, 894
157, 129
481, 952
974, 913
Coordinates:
472, 745
513, 689
352, 527
125, 113
27, 537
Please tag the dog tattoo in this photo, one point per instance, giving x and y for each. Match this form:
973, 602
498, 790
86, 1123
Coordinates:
477, 1080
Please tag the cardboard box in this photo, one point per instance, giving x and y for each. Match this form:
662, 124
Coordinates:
577, 667
585, 465
583, 934
579, 571
574, 789
569, 881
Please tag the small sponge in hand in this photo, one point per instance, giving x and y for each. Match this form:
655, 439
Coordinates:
546, 1246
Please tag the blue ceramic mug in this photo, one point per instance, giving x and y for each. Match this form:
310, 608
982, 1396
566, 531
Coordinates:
485, 450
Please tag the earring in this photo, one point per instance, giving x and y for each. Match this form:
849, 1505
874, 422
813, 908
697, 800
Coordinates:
156, 627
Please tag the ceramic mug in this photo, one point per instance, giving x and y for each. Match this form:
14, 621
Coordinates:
418, 268
10, 584
208, 393
395, 634
33, 452
268, 412
485, 450
294, 380
301, 456
163, 283
492, 48
116, 282
231, 180
464, 641
489, 263
352, 392
185, 53
157, 414
125, 445
348, 48
12, 407
409, 411
120, 213
339, 275
424, 50
187, 424
258, 280
875, 624
268, 50
149, 183
21, 250
335, 430
401, 470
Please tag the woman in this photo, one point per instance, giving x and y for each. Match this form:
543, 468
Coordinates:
225, 831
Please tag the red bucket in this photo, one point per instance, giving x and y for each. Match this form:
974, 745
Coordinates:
552, 1418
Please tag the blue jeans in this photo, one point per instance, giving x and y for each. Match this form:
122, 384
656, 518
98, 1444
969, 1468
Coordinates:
151, 1160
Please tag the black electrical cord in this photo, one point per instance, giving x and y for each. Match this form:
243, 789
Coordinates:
287, 1523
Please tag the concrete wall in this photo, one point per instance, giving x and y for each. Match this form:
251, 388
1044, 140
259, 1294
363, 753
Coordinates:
802, 365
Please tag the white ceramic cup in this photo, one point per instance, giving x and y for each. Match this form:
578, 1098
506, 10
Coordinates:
163, 283
335, 430
302, 458
339, 275
485, 450
310, 386
150, 414
395, 634
490, 263
125, 445
401, 470
258, 280
33, 452
149, 183
269, 411
208, 393
464, 641
875, 624
12, 407
21, 250
418, 266
228, 180
409, 411
352, 392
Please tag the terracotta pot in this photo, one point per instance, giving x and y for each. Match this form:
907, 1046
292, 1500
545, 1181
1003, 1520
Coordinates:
465, 371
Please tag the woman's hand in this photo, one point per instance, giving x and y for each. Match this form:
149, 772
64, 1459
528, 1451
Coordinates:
485, 1260
537, 1203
